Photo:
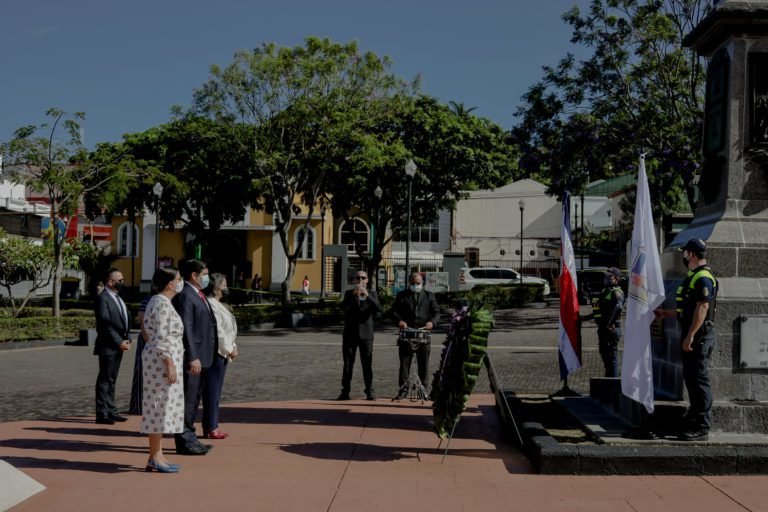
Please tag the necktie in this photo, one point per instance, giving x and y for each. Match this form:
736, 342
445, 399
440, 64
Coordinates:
121, 306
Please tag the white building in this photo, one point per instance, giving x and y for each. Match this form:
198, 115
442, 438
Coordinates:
489, 226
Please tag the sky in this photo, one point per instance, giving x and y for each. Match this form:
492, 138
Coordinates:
125, 64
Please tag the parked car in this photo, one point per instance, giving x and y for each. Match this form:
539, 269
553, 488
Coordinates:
591, 283
469, 277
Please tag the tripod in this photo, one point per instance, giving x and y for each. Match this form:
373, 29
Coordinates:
413, 389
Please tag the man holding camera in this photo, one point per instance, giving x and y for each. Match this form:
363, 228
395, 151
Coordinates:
360, 306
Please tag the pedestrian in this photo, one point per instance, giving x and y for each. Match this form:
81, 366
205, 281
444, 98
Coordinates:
113, 323
256, 287
200, 344
696, 304
226, 325
162, 361
141, 340
415, 308
305, 286
360, 306
606, 312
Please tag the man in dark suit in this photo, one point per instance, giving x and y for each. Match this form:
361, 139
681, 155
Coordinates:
200, 344
360, 306
415, 308
112, 327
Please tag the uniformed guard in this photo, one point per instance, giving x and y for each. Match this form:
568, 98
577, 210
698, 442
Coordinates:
606, 311
696, 301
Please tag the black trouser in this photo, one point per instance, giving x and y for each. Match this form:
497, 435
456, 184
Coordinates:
696, 376
193, 389
406, 351
212, 393
608, 344
136, 385
349, 347
109, 367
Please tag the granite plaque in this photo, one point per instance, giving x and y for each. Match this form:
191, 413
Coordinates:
754, 342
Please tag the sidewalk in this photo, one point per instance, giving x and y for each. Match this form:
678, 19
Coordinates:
336, 456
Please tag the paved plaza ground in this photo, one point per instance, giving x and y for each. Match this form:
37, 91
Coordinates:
295, 448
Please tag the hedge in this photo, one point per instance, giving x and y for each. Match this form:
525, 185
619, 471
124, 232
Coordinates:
44, 328
495, 296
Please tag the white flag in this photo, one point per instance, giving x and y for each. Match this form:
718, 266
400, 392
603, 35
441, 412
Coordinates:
646, 293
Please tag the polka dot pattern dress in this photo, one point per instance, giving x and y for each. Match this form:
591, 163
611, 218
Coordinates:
162, 403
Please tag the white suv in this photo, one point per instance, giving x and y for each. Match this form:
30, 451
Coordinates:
471, 276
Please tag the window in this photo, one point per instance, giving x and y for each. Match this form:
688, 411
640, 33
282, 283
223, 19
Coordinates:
307, 244
128, 239
354, 234
429, 234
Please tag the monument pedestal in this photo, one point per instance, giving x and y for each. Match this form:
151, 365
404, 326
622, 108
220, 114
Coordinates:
731, 215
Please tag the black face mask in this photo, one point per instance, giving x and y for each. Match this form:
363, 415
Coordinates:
119, 287
686, 261
225, 293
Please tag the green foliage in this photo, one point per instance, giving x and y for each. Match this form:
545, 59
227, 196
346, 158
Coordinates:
638, 91
57, 165
285, 109
21, 260
38, 324
494, 296
453, 150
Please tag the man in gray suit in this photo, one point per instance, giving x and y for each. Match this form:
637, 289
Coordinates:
200, 344
113, 324
360, 306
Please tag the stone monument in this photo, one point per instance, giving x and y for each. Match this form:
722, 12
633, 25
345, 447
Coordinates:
731, 216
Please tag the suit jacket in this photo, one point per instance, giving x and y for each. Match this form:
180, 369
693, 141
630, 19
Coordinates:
111, 327
359, 315
200, 338
416, 309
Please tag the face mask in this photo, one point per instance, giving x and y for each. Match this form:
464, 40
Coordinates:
415, 288
179, 286
119, 286
204, 281
607, 281
686, 261
225, 293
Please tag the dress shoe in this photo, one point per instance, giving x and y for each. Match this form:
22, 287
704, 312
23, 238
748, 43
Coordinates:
195, 449
216, 434
105, 421
694, 435
153, 465
343, 396
370, 396
118, 418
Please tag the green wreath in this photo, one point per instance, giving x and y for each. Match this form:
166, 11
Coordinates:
460, 363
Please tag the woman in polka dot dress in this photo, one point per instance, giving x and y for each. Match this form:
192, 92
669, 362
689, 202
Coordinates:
162, 361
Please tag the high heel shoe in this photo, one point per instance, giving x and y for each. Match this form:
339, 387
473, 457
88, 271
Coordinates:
153, 465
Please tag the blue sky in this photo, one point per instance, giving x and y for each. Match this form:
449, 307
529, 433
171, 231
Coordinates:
126, 63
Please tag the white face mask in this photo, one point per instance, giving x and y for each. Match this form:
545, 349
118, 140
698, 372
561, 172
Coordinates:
179, 286
416, 288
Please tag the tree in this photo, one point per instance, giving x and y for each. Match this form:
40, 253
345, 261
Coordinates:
57, 164
22, 259
285, 108
638, 91
454, 152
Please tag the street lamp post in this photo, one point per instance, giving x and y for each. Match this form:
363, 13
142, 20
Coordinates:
410, 171
323, 209
521, 204
378, 193
157, 190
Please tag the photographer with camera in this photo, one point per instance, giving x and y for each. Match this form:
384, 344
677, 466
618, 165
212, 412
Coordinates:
360, 306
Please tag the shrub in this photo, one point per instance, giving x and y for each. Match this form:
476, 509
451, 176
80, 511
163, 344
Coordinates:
44, 328
495, 296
